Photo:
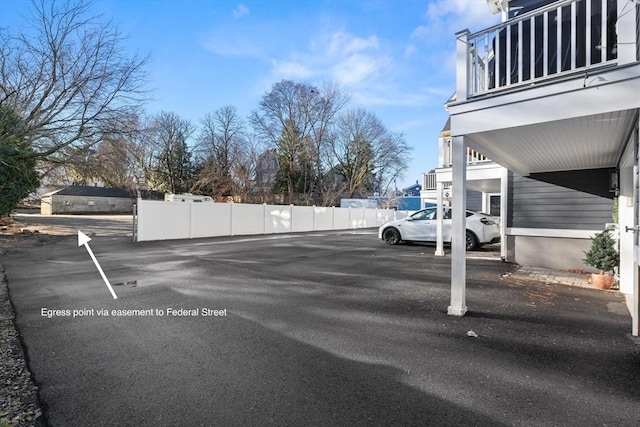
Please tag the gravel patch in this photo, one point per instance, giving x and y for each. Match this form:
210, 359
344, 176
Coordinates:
19, 405
18, 393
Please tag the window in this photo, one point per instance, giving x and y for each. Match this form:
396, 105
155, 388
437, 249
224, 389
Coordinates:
427, 214
494, 205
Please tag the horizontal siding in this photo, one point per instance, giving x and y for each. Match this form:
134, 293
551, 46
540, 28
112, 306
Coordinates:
573, 200
474, 200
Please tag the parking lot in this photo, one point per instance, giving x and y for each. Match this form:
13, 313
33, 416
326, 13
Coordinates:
331, 328
68, 225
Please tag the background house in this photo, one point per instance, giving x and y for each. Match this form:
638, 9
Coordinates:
412, 190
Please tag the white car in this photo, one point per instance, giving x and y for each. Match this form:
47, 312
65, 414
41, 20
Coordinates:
421, 227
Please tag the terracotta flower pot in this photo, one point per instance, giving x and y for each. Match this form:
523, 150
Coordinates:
601, 281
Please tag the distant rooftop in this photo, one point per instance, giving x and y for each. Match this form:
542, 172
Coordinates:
90, 191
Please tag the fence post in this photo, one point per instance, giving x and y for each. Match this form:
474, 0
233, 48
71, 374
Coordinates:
291, 218
231, 219
264, 218
190, 220
135, 221
333, 217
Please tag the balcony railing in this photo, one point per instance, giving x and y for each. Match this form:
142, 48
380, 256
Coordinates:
560, 38
446, 153
429, 181
473, 158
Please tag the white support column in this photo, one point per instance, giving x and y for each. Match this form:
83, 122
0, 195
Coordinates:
462, 65
458, 305
504, 193
626, 29
635, 303
439, 219
635, 307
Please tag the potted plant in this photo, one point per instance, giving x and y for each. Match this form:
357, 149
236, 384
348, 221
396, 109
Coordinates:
604, 257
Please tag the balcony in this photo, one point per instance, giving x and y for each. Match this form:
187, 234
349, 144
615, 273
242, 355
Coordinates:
563, 38
446, 156
552, 89
473, 158
429, 181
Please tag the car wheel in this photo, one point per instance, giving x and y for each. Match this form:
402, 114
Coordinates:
472, 241
391, 236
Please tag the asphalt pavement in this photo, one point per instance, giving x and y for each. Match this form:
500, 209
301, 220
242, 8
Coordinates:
315, 329
68, 225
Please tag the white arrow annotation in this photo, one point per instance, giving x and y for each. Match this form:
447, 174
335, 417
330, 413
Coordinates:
83, 239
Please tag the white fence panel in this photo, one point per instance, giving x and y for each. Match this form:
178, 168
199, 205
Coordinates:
323, 218
302, 219
371, 218
277, 219
357, 218
161, 220
158, 220
247, 219
384, 215
341, 219
210, 219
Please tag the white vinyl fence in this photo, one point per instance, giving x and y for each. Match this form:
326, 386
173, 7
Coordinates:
159, 220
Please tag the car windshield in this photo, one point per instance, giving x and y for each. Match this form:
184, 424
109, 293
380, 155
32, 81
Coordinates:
426, 214
432, 214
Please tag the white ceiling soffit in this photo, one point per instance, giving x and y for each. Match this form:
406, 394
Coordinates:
581, 143
485, 185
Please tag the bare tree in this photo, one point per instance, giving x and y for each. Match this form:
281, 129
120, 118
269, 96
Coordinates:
391, 160
295, 119
124, 159
219, 147
116, 162
68, 78
323, 106
172, 169
367, 158
244, 172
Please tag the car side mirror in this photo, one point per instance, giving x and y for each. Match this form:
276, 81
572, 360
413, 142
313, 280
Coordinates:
409, 218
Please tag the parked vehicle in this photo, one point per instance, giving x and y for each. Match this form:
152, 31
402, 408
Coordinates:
421, 227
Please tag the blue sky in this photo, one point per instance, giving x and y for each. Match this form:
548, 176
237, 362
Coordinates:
395, 58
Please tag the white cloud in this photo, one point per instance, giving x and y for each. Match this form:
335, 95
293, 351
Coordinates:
343, 57
291, 70
371, 69
344, 43
461, 14
355, 69
444, 18
240, 11
410, 49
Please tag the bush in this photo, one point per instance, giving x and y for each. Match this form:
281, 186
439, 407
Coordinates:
18, 177
603, 254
